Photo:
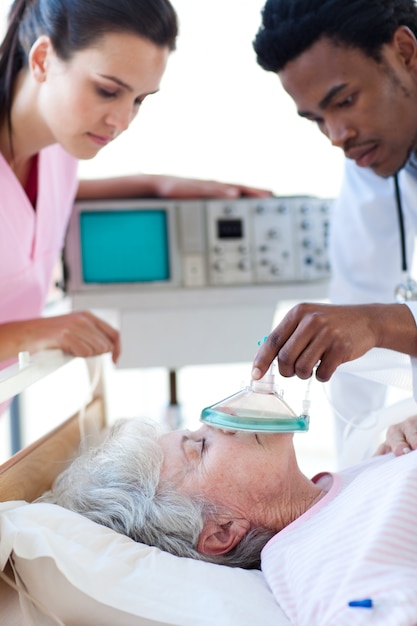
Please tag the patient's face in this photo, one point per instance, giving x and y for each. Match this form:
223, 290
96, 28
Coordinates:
234, 469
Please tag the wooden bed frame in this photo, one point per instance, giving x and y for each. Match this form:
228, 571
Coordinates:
30, 472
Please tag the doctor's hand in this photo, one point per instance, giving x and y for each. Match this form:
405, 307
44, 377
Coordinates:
401, 438
333, 334
79, 333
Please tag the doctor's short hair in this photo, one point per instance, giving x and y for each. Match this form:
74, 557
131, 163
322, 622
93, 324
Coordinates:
117, 484
290, 27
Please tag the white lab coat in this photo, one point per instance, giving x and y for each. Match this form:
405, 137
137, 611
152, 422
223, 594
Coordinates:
365, 254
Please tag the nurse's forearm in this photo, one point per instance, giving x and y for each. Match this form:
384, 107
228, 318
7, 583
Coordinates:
164, 186
79, 333
141, 185
11, 342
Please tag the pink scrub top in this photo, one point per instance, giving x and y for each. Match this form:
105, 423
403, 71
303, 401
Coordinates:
31, 241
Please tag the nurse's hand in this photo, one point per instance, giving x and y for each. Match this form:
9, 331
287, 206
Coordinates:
79, 333
164, 186
400, 438
331, 335
176, 187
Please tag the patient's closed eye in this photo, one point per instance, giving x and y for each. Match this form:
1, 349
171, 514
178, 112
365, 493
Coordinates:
194, 446
200, 443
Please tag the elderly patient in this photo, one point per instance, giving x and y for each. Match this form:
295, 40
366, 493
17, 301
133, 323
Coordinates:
327, 546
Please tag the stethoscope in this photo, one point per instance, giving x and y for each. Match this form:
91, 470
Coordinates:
406, 291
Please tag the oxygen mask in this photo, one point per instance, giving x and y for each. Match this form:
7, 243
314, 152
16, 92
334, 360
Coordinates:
259, 407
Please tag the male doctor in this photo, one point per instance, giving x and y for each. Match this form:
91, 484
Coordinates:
369, 263
351, 68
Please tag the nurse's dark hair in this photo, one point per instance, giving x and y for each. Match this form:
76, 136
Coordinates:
290, 27
74, 25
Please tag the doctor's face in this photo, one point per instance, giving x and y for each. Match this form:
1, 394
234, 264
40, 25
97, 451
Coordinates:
88, 101
365, 107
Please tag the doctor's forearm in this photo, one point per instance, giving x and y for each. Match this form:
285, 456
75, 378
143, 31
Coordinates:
397, 328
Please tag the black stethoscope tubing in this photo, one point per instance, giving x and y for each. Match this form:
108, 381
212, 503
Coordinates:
401, 223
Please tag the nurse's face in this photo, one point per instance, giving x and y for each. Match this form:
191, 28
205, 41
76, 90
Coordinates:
365, 107
244, 472
86, 102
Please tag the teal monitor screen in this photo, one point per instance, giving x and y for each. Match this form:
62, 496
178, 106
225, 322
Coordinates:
120, 246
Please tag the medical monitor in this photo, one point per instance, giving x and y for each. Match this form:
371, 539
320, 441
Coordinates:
157, 244
119, 243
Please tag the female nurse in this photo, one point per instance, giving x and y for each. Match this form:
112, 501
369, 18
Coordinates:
73, 75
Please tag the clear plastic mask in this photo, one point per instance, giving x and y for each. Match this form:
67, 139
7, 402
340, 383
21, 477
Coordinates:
260, 407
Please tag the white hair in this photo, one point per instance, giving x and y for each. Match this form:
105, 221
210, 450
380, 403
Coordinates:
117, 484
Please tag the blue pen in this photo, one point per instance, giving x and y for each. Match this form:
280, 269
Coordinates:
366, 603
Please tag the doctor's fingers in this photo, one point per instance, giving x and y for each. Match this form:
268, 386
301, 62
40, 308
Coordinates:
268, 351
331, 345
309, 347
289, 341
310, 333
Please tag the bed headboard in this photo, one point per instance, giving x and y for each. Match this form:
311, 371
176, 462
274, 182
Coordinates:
30, 472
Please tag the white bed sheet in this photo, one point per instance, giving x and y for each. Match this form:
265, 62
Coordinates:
87, 574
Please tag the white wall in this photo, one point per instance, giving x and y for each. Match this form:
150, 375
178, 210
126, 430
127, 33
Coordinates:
219, 115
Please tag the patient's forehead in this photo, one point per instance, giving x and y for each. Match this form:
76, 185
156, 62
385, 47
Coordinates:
178, 457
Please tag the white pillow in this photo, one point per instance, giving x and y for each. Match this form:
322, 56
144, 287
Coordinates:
85, 573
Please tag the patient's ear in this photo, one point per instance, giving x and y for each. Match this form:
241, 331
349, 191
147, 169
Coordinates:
220, 537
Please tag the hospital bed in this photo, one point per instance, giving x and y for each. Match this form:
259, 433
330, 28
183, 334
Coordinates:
57, 567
